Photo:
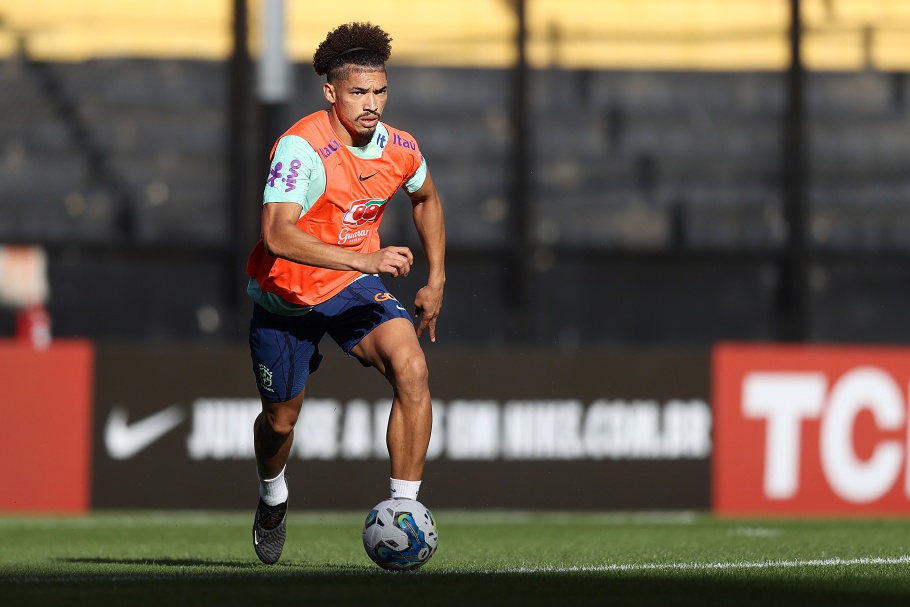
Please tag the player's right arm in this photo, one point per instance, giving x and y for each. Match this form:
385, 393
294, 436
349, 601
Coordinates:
282, 238
285, 201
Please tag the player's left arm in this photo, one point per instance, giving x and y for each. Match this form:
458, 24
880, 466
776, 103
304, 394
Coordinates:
428, 218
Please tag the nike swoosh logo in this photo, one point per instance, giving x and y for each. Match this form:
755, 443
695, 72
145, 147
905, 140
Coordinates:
124, 440
362, 178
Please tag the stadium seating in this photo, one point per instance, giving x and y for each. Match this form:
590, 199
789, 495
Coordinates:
602, 143
619, 161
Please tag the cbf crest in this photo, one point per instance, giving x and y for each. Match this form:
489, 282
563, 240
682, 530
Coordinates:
265, 378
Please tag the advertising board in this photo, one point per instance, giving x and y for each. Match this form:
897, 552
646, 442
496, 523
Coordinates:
813, 430
512, 429
45, 426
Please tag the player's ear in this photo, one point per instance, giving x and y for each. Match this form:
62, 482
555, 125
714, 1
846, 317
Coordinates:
329, 91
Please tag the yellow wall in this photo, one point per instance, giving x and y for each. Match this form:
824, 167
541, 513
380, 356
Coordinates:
609, 34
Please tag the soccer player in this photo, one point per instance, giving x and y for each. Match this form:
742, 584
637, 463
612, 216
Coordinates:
316, 269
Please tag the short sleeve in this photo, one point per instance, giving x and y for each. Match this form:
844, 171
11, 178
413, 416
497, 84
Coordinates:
416, 180
294, 167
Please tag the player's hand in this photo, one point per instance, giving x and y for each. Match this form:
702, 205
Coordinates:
427, 306
396, 261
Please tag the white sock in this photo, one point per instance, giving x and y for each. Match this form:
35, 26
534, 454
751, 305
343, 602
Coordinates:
273, 491
404, 489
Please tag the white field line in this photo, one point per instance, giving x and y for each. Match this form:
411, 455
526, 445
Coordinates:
632, 567
614, 568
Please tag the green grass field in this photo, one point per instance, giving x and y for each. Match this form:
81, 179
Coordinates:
484, 558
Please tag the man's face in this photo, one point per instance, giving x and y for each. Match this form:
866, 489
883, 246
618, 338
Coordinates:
357, 103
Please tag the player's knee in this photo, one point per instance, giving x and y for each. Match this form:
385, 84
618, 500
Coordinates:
411, 370
281, 422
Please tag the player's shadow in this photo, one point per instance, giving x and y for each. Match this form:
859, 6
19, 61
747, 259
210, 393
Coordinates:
353, 585
160, 562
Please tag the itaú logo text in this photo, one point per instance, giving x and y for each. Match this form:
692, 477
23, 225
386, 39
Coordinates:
862, 423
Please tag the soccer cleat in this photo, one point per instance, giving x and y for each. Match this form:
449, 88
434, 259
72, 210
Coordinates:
269, 531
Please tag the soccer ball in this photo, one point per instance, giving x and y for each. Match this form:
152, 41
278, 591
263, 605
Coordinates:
400, 534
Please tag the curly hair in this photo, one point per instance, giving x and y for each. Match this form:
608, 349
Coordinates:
352, 45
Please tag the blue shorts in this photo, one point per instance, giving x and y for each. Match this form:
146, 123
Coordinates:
285, 349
